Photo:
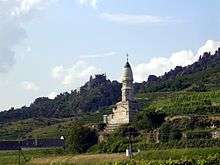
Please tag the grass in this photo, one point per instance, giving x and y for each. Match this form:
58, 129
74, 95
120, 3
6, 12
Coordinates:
98, 159
11, 157
45, 128
21, 128
53, 157
177, 154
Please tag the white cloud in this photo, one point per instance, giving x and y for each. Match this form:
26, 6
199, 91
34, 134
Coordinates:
210, 46
98, 55
52, 95
13, 16
160, 65
92, 3
74, 75
25, 6
29, 86
135, 19
58, 72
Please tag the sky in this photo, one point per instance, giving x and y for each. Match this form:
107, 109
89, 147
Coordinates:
52, 46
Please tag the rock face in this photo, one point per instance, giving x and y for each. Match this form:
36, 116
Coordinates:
124, 111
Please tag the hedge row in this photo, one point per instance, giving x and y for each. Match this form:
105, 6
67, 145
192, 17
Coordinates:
200, 143
121, 145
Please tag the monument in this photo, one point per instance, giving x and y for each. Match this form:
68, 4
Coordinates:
125, 111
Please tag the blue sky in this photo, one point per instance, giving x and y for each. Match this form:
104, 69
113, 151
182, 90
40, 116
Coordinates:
52, 46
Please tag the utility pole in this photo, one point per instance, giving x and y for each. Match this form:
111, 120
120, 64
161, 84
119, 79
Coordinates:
19, 152
130, 144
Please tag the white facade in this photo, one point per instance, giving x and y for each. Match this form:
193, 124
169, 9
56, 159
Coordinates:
125, 110
127, 83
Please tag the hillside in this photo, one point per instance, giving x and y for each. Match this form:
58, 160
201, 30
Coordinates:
201, 76
183, 91
182, 103
96, 94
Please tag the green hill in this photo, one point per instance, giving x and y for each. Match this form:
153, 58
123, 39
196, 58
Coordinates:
190, 90
183, 103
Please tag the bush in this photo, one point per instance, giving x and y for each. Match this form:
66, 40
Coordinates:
175, 134
198, 135
191, 143
167, 132
80, 138
117, 141
150, 120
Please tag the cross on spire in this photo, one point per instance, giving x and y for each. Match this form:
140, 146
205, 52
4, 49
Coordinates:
127, 56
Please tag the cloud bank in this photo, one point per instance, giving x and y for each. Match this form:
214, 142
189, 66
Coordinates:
13, 16
52, 95
160, 65
29, 86
75, 75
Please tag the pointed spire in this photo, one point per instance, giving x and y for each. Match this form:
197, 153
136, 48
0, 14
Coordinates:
127, 56
127, 63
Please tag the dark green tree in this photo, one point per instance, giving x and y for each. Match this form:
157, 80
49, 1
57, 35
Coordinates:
150, 120
80, 138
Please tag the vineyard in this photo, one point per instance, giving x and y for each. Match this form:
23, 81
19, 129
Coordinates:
180, 103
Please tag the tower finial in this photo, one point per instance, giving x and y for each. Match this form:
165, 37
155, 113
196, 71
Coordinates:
127, 57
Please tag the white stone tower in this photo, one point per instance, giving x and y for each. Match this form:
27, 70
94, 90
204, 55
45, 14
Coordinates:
127, 83
125, 111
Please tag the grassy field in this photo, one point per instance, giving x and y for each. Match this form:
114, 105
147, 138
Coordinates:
52, 157
97, 159
11, 157
55, 157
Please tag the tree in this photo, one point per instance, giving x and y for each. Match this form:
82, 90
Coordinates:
167, 132
150, 120
80, 138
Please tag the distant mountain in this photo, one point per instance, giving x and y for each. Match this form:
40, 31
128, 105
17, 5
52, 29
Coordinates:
99, 92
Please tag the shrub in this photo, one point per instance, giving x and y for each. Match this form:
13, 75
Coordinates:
198, 135
150, 120
167, 132
80, 138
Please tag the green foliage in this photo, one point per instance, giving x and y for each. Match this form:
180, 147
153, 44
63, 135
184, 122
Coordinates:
177, 154
205, 72
150, 120
118, 141
198, 88
198, 135
167, 132
125, 131
22, 129
211, 160
189, 103
190, 143
11, 157
96, 94
80, 138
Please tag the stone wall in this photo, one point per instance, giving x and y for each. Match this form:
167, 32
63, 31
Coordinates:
123, 113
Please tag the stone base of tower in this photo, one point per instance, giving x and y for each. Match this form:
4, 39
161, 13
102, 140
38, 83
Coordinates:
124, 112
